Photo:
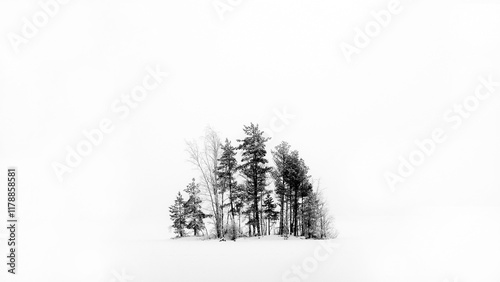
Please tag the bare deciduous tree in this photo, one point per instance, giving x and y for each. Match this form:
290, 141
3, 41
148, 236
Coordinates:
205, 158
325, 220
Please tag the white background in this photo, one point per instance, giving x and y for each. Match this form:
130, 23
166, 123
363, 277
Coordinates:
351, 122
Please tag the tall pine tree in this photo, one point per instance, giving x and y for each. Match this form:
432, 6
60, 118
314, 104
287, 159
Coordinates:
280, 156
226, 170
298, 180
253, 166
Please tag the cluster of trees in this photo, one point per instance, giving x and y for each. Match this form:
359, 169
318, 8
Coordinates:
188, 214
291, 203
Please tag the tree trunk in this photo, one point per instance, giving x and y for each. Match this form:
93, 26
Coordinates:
302, 215
222, 213
290, 218
256, 203
285, 221
239, 223
281, 215
263, 222
295, 207
269, 226
232, 210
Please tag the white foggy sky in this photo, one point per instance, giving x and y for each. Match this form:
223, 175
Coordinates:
352, 120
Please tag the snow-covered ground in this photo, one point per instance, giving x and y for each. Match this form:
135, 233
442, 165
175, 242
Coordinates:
458, 245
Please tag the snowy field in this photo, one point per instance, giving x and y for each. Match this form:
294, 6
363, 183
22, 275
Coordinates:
98, 99
455, 246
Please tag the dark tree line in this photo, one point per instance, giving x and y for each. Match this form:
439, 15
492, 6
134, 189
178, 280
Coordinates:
293, 204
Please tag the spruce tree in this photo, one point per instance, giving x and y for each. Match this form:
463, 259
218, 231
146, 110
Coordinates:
178, 215
269, 210
194, 214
